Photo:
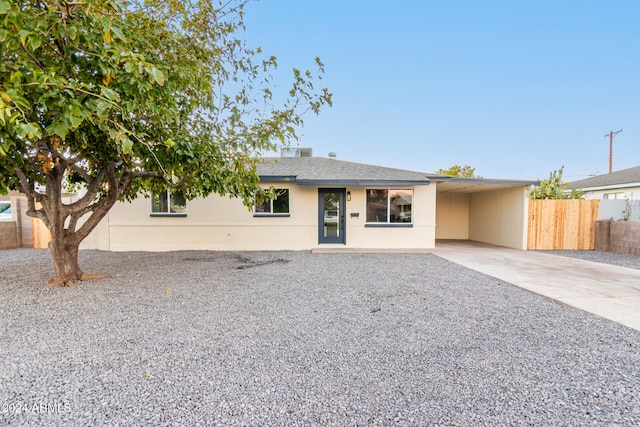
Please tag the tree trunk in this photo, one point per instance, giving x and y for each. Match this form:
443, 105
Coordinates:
65, 263
63, 220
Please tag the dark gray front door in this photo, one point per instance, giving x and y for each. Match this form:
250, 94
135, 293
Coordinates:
331, 214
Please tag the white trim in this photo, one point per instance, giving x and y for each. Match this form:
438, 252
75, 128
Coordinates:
611, 187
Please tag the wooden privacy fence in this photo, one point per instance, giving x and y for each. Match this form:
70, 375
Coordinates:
41, 235
562, 224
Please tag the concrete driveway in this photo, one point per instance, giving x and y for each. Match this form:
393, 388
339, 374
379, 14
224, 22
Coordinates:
605, 290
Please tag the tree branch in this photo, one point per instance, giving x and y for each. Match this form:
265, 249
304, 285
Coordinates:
92, 191
86, 92
100, 208
33, 58
26, 186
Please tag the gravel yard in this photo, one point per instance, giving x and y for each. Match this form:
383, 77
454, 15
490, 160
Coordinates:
621, 260
292, 338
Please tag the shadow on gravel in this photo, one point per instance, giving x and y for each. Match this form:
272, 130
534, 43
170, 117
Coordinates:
244, 261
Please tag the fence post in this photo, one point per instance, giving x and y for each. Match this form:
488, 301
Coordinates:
603, 235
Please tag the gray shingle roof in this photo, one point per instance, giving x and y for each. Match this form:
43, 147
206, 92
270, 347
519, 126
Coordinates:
625, 176
325, 171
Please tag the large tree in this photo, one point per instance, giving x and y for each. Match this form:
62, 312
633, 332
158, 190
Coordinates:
465, 171
119, 98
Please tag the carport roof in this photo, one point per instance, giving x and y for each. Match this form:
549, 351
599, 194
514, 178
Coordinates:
328, 171
446, 184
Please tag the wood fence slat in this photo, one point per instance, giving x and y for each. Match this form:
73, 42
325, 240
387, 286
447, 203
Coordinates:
562, 224
41, 235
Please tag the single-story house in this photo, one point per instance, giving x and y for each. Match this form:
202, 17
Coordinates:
326, 202
623, 184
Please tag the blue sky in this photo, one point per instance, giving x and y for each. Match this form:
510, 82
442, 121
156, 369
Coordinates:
516, 89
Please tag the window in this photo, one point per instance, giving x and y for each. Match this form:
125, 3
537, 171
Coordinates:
169, 203
389, 206
613, 196
5, 211
278, 206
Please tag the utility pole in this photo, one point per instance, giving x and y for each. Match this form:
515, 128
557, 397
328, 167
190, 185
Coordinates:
611, 134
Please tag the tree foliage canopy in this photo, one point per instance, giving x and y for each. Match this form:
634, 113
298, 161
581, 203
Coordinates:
128, 96
555, 188
465, 171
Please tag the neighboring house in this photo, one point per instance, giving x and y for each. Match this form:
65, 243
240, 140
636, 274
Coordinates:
623, 184
325, 202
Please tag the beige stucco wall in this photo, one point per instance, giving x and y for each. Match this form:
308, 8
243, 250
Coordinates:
500, 217
217, 223
452, 216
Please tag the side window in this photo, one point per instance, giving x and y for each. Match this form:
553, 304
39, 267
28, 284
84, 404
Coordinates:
169, 203
613, 196
279, 206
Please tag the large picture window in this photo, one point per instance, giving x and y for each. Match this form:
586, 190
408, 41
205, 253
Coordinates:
278, 206
389, 206
169, 203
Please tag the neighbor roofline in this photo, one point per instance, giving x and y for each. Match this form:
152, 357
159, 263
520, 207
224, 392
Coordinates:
608, 187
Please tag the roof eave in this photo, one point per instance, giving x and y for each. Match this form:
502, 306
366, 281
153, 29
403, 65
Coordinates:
278, 178
487, 180
362, 182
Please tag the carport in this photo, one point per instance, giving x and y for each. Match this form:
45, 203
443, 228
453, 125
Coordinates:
482, 210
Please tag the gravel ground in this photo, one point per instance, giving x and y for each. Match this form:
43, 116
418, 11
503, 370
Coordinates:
621, 260
291, 338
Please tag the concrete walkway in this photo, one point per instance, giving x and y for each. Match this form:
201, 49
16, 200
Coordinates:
605, 290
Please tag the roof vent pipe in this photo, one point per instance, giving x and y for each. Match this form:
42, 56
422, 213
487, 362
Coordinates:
332, 155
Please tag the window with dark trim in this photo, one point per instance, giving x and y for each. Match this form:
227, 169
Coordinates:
168, 203
613, 196
278, 206
389, 206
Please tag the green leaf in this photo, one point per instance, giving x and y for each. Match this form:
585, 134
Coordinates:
75, 121
169, 143
58, 127
124, 141
4, 7
102, 108
107, 36
110, 94
117, 31
16, 77
34, 41
157, 76
72, 32
23, 34
31, 130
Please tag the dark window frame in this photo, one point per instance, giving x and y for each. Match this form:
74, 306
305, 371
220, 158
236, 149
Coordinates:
404, 218
274, 204
178, 210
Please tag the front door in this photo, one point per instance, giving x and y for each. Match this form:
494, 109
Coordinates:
331, 214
